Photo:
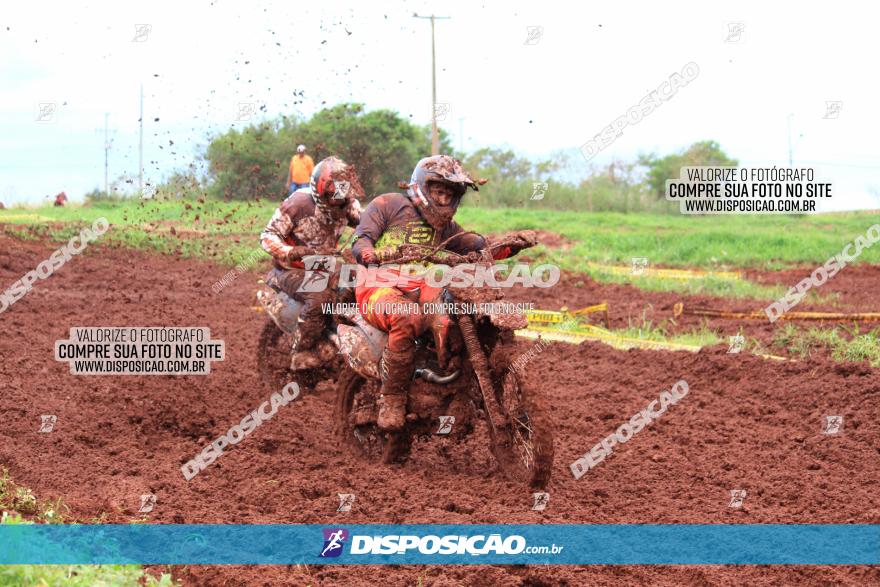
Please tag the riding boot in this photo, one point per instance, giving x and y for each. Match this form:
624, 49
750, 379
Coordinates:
305, 341
396, 370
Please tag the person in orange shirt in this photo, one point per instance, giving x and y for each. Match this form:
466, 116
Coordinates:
301, 167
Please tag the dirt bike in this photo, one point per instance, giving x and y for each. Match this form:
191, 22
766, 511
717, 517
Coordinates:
274, 349
453, 388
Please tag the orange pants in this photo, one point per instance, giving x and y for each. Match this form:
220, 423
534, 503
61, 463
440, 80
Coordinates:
396, 312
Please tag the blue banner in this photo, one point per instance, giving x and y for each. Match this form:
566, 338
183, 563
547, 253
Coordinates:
539, 544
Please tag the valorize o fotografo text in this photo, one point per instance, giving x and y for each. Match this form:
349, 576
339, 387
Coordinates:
746, 190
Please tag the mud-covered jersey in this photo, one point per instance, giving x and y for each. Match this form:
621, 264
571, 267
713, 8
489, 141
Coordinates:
298, 222
391, 220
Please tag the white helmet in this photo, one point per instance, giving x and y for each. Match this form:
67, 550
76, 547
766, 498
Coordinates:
301, 149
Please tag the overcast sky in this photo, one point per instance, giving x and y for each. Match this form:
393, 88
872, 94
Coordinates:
537, 94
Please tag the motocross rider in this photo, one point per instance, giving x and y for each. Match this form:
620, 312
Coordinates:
310, 222
423, 217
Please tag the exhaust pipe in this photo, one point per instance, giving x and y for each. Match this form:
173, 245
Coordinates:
432, 377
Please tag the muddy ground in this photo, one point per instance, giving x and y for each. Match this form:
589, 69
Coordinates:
855, 289
746, 424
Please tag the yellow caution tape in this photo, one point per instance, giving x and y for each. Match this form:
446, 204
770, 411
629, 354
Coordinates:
579, 335
12, 217
679, 309
775, 358
548, 316
589, 332
554, 317
603, 307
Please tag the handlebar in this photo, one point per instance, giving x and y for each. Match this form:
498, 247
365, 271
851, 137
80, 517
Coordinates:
409, 253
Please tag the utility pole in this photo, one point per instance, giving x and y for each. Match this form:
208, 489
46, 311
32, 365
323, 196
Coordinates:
107, 144
141, 148
435, 136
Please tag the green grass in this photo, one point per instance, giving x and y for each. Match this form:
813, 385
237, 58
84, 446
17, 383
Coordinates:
732, 288
227, 232
224, 232
646, 330
718, 243
79, 576
707, 242
21, 500
843, 343
20, 506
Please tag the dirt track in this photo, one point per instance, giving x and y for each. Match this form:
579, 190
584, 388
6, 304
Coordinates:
746, 424
855, 288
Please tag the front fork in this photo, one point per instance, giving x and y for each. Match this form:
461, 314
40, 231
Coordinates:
494, 412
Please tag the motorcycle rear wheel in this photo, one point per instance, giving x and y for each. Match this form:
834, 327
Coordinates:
273, 357
273, 362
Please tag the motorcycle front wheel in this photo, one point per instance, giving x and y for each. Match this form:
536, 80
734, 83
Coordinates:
365, 438
523, 443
